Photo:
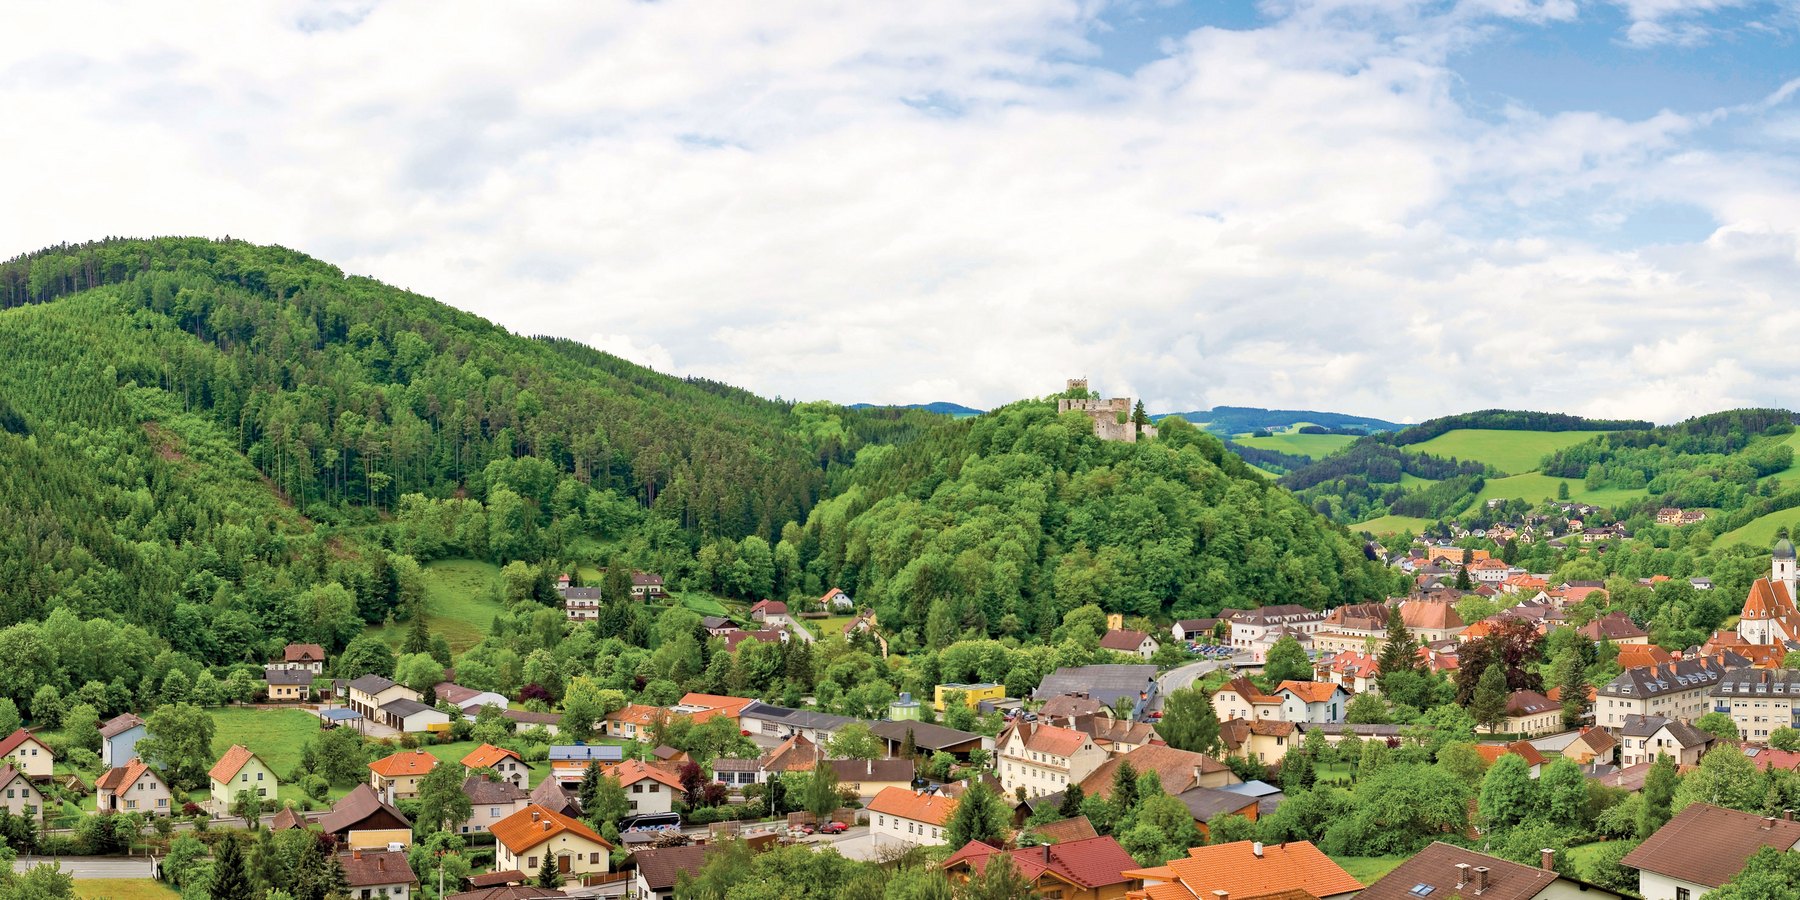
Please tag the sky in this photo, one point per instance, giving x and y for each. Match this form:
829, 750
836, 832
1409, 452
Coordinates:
1394, 208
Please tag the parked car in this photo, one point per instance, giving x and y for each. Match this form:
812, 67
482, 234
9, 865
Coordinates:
834, 828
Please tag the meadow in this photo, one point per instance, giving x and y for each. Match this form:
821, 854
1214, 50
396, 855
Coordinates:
1760, 531
123, 889
1533, 486
457, 603
1393, 525
1316, 446
1512, 452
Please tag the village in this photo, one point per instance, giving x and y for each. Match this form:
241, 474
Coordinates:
1268, 706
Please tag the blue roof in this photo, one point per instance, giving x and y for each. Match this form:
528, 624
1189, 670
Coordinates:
1251, 788
339, 715
599, 752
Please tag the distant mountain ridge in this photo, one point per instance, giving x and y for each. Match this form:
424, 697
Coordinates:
941, 407
1229, 420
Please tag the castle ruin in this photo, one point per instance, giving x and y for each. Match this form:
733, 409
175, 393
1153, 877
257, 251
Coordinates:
1111, 417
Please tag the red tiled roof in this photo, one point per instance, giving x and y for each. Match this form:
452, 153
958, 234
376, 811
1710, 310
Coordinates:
536, 824
303, 653
1051, 739
12, 741
124, 776
1310, 691
487, 756
1088, 863
917, 806
1237, 869
404, 763
1248, 690
228, 765
1708, 845
633, 771
1123, 640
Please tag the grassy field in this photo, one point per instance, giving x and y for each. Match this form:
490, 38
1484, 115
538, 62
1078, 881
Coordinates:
1408, 480
702, 604
274, 735
1760, 532
1512, 452
1369, 869
1316, 446
1532, 487
1792, 472
454, 602
122, 889
1393, 525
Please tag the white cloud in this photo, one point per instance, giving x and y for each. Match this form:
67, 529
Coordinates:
937, 199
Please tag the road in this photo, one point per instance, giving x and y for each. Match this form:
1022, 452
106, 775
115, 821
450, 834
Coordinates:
1185, 676
93, 866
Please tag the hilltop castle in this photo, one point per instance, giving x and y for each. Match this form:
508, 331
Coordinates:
1770, 615
1111, 417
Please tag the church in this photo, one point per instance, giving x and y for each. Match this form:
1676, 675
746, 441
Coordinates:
1770, 614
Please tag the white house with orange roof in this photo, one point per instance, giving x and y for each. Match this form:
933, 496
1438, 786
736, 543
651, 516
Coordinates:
1358, 673
133, 787
525, 839
1312, 702
239, 771
1240, 698
507, 764
909, 816
634, 721
397, 776
1044, 759
704, 707
649, 789
836, 600
27, 754
1431, 620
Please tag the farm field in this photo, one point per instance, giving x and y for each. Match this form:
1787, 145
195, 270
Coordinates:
454, 602
1760, 531
1512, 452
1533, 486
1316, 446
123, 889
1393, 525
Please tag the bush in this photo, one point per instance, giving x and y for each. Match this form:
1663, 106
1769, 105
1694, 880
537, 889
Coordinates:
58, 845
315, 787
84, 760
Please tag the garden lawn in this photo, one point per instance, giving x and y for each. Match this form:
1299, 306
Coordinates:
123, 889
1512, 452
456, 602
1583, 855
1369, 869
274, 735
702, 604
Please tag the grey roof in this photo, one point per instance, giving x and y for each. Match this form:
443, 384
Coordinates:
1780, 683
794, 718
926, 736
581, 593
339, 715
1784, 549
119, 724
1103, 683
1282, 612
714, 622
287, 676
586, 752
1666, 678
484, 790
1257, 789
550, 794
404, 707
1642, 726
372, 684
728, 764
1204, 802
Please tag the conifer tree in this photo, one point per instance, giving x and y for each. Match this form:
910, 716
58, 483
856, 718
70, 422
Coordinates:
1400, 652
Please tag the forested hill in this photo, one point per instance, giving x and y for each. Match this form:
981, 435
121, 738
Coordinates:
999, 525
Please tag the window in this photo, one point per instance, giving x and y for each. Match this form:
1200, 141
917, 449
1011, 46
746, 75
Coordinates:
1681, 893
531, 862
593, 858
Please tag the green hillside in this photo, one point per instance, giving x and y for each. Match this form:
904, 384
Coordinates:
1533, 487
1386, 525
1760, 532
1313, 445
1510, 452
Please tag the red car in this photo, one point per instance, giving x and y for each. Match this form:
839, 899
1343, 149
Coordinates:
834, 828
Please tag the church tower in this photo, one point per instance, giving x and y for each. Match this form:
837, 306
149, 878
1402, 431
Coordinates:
1782, 566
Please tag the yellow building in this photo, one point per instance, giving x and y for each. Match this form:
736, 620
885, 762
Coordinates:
973, 694
237, 771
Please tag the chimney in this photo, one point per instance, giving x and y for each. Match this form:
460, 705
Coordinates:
1481, 873
1256, 848
1547, 859
1768, 823
1221, 895
1787, 815
1462, 875
356, 853
1046, 854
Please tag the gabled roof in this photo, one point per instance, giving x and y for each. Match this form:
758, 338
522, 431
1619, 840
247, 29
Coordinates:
122, 777
633, 771
1123, 640
1528, 703
1180, 770
1708, 845
769, 608
1069, 707
536, 824
550, 795
917, 806
356, 807
1524, 749
1436, 867
1248, 690
287, 676
12, 741
1048, 739
661, 868
403, 764
119, 724
719, 702
1433, 614
1241, 870
1632, 656
234, 760
303, 653
1087, 863
510, 892
637, 714
1310, 691
489, 791
877, 770
487, 756
926, 736
373, 684
1614, 626
1066, 829
405, 707
286, 820
8, 772
371, 868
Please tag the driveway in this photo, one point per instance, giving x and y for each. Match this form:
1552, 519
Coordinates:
93, 866
1184, 676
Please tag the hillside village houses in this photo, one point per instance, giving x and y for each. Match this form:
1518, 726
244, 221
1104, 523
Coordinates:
23, 751
118, 740
523, 840
301, 657
1044, 759
909, 816
18, 795
397, 776
1676, 690
237, 771
133, 787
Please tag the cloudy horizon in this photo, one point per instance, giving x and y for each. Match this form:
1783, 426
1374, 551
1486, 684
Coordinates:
1377, 207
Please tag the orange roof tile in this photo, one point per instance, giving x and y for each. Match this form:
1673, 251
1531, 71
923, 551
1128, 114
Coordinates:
1239, 870
487, 756
1310, 691
235, 758
1248, 690
404, 763
536, 824
637, 714
632, 771
916, 806
123, 777
1436, 614
729, 705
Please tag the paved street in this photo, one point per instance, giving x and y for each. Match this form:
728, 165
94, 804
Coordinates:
92, 866
1185, 676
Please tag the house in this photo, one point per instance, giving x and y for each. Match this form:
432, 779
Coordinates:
1632, 656
762, 636
1534, 758
368, 694
865, 623
413, 717
303, 657
581, 604
634, 721
377, 874
1334, 733
1240, 698
836, 600
717, 626
507, 764
778, 722
1044, 759
1643, 738
868, 777
909, 816
133, 787
1430, 620
1616, 627
397, 776
237, 771
523, 840
508, 892
972, 694
18, 795
1245, 869
555, 795
1204, 803
1124, 640
649, 790
646, 586
1445, 870
1701, 848
1115, 736
118, 740
1677, 690
770, 612
1084, 869
1528, 713
930, 738
1255, 631
525, 718
287, 685
1358, 673
469, 700
1179, 770
29, 755
659, 870
1199, 630
361, 819
1592, 745
1108, 684
1758, 700
702, 707
489, 802
1312, 701
1264, 740
568, 763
